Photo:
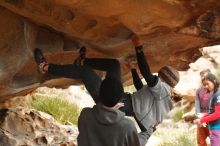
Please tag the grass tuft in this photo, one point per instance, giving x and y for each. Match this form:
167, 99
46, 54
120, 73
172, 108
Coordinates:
177, 114
60, 109
183, 139
179, 136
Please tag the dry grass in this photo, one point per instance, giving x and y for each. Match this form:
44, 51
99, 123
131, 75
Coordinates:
175, 134
55, 104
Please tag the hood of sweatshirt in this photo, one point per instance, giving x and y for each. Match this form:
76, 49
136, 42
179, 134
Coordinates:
107, 116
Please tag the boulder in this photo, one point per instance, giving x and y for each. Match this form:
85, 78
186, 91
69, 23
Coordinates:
22, 126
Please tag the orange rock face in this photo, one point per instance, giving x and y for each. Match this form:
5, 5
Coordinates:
173, 32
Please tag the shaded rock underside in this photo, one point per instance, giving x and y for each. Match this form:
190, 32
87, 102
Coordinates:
173, 31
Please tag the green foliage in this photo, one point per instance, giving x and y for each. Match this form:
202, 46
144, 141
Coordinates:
60, 109
177, 114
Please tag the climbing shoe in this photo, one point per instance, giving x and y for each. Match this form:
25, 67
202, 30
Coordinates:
40, 60
82, 55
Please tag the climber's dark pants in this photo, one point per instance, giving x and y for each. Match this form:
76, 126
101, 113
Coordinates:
88, 76
86, 73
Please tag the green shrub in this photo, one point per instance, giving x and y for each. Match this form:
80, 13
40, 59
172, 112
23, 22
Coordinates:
60, 109
177, 114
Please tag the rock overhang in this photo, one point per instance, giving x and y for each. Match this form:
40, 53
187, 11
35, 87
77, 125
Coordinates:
173, 32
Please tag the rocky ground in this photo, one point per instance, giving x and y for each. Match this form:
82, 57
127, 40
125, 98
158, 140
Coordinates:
24, 127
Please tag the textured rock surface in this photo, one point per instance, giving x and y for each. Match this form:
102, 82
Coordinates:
24, 127
173, 31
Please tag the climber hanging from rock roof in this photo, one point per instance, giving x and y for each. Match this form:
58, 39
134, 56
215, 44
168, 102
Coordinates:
149, 105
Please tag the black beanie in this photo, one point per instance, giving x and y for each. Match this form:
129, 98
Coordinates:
111, 92
169, 75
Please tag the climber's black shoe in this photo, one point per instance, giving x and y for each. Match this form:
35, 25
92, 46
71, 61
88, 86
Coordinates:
82, 55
